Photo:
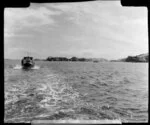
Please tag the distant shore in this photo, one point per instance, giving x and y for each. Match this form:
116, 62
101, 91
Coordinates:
76, 59
137, 58
142, 58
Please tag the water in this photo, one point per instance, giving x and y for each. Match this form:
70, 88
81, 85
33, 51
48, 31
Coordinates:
76, 91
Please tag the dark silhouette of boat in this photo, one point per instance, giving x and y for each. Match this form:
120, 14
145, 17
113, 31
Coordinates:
95, 61
27, 62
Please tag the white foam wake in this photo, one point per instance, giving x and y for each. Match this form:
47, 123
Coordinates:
17, 67
20, 67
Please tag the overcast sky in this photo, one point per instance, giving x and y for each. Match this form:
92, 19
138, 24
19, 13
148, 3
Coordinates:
87, 29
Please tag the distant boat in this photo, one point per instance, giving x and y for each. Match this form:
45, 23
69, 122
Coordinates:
27, 62
95, 61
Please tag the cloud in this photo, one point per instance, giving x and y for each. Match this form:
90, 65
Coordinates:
79, 29
96, 14
11, 34
17, 18
84, 11
108, 20
18, 52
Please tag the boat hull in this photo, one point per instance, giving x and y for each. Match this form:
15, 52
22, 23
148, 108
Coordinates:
27, 65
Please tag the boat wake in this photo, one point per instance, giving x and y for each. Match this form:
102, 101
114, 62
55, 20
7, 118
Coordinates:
17, 67
20, 67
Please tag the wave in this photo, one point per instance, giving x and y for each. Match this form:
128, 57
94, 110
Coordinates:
35, 67
58, 93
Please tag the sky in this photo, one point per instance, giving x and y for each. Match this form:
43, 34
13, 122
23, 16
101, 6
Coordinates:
93, 29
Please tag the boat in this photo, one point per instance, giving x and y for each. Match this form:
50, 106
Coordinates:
95, 61
27, 62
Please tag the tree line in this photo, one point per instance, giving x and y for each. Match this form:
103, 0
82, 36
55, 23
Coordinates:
67, 59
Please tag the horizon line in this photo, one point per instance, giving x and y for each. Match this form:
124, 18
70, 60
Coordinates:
76, 57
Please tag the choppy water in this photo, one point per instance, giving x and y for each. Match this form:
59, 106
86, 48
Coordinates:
76, 90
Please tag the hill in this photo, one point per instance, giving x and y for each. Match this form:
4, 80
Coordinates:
137, 58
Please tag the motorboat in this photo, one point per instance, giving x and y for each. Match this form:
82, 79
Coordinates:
27, 62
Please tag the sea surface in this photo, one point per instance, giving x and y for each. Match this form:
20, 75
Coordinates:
76, 91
